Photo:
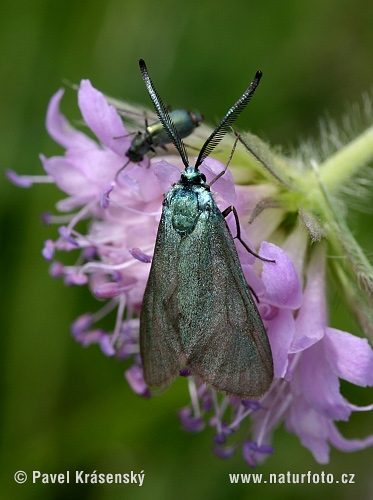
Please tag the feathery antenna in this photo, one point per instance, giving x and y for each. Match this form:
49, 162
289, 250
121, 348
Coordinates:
163, 115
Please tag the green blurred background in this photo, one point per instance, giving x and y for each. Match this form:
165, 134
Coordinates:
69, 408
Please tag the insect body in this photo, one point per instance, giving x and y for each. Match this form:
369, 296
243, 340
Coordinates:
155, 134
197, 310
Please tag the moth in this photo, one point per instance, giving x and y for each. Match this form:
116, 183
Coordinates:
198, 312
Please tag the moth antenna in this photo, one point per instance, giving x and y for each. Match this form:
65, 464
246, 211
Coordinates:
232, 114
163, 114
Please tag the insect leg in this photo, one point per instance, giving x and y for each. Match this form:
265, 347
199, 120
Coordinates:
220, 174
226, 212
121, 170
125, 135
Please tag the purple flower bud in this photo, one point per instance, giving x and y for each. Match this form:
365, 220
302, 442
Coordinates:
80, 324
56, 269
108, 290
88, 338
250, 403
189, 423
48, 250
135, 378
185, 372
22, 181
139, 255
259, 449
76, 279
106, 345
224, 453
90, 252
46, 218
67, 236
251, 452
220, 438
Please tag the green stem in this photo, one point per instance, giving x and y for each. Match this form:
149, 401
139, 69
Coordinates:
341, 166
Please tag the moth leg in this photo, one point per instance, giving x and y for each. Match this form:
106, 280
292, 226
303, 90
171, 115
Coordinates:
220, 174
226, 212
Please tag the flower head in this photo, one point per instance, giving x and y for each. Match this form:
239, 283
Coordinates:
109, 221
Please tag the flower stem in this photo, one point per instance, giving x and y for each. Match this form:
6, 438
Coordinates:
341, 166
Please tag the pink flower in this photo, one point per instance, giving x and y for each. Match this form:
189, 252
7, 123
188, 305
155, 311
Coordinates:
119, 209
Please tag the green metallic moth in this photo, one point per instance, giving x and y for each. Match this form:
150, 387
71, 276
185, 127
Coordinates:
198, 312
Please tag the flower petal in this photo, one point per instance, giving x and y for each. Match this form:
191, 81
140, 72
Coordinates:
344, 444
251, 277
350, 357
103, 119
280, 333
224, 186
311, 427
312, 317
67, 177
135, 378
60, 129
320, 385
283, 287
166, 174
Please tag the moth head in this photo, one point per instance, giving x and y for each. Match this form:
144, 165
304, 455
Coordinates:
193, 177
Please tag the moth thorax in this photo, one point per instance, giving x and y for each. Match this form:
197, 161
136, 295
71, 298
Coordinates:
184, 210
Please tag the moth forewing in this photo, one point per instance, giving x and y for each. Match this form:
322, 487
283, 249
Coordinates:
197, 308
223, 336
159, 340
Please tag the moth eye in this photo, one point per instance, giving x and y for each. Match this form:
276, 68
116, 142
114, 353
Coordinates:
165, 203
208, 207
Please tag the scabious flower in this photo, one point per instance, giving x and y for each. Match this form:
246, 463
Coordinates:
109, 221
